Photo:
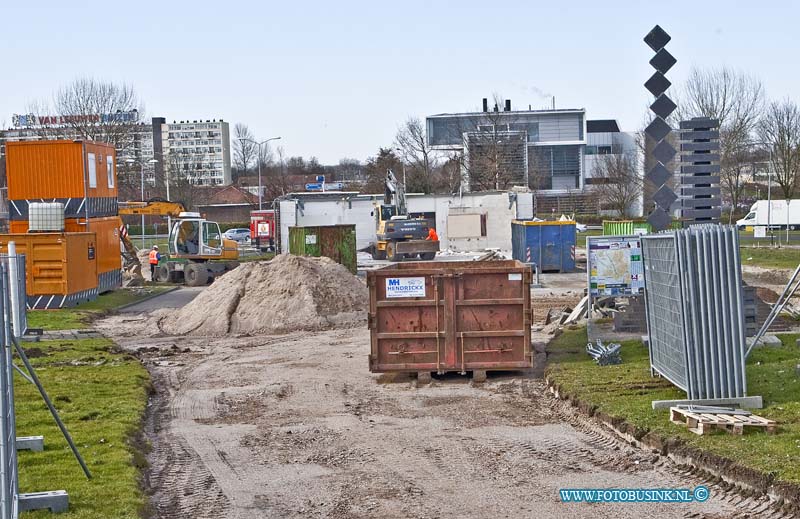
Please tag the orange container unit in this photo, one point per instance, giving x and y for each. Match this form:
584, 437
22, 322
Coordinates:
61, 268
109, 259
80, 174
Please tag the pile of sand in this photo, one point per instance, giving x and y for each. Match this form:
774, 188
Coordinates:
286, 294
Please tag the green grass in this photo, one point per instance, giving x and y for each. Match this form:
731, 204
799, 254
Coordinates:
101, 396
80, 316
626, 391
581, 237
257, 257
768, 257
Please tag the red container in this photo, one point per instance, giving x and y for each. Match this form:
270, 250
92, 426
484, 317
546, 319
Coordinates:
450, 316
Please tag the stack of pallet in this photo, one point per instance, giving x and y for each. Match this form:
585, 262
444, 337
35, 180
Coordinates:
702, 419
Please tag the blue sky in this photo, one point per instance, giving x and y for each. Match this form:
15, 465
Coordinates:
335, 79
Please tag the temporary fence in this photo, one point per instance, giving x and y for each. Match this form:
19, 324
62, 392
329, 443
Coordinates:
13, 311
695, 310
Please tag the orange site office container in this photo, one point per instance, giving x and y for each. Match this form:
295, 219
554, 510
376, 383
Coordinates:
61, 268
109, 260
80, 174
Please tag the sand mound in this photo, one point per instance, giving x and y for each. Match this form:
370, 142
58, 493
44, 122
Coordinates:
286, 294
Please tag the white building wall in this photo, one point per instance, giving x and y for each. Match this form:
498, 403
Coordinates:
358, 210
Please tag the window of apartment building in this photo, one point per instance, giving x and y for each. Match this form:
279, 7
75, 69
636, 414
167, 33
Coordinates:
110, 170
604, 150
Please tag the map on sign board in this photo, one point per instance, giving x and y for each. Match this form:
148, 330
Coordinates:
615, 266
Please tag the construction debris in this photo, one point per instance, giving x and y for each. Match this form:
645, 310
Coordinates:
578, 312
286, 294
604, 355
702, 419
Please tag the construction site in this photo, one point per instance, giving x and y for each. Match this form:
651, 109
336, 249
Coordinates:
389, 354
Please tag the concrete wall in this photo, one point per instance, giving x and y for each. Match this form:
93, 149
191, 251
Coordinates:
334, 209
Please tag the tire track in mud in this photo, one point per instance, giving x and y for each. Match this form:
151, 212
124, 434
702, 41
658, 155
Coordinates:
180, 483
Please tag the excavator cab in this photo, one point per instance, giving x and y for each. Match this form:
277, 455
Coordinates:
194, 237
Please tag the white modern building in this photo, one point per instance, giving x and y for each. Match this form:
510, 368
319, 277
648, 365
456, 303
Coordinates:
550, 152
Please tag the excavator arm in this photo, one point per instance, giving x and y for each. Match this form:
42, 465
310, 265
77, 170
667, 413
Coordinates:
157, 207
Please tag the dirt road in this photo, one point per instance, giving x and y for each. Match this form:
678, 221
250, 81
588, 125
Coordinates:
295, 426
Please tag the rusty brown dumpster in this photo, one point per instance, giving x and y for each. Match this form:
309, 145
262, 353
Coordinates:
450, 316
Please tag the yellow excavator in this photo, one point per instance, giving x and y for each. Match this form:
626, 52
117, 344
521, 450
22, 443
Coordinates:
197, 253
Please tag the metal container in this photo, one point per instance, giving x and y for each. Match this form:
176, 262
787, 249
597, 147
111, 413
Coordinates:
629, 227
79, 174
550, 245
108, 249
337, 242
450, 316
61, 268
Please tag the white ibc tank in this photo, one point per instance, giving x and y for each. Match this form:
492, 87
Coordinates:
45, 216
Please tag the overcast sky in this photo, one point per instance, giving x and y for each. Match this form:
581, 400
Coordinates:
335, 79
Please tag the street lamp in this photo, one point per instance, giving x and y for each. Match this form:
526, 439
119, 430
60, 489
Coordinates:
133, 161
259, 144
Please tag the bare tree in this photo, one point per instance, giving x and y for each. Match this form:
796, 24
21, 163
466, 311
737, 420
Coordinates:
779, 129
617, 182
244, 148
412, 142
737, 101
100, 111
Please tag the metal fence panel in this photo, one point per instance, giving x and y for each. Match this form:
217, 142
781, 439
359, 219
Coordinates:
15, 267
695, 310
8, 434
664, 312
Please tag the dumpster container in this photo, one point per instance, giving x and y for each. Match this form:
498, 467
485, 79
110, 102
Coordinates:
60, 268
450, 316
551, 245
337, 242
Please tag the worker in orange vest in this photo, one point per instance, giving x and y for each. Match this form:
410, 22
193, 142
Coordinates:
154, 258
432, 235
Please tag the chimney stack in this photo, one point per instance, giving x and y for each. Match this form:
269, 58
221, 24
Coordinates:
485, 105
508, 105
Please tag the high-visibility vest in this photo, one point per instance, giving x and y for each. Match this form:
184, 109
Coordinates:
154, 257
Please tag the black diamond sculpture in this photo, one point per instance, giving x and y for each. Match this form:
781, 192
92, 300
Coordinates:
661, 151
663, 61
659, 219
658, 129
664, 196
659, 175
657, 38
663, 106
657, 84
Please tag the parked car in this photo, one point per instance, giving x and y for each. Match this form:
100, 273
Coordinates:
240, 235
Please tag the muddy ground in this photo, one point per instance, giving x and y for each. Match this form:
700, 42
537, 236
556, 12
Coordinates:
296, 426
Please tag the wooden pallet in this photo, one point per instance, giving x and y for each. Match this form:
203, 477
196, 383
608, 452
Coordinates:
701, 423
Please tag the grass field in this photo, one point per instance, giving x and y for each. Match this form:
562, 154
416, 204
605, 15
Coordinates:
80, 316
768, 257
101, 394
626, 390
